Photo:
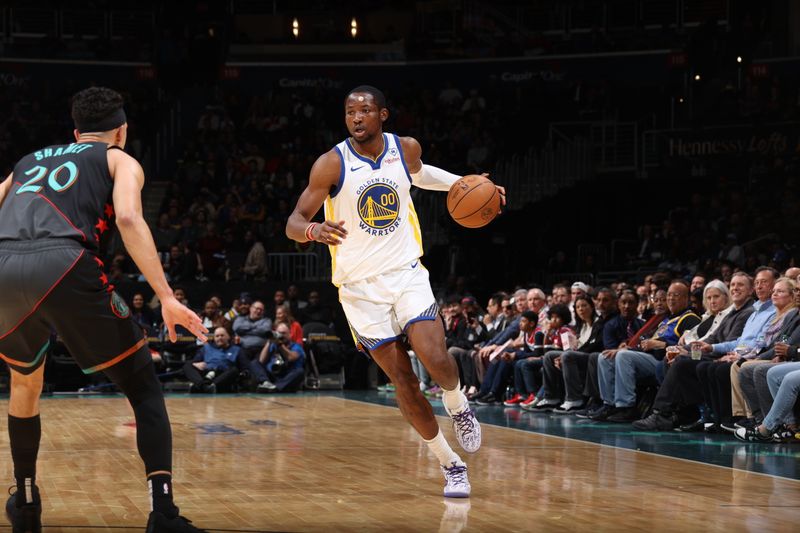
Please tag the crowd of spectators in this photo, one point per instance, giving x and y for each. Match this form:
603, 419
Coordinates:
253, 345
695, 353
702, 353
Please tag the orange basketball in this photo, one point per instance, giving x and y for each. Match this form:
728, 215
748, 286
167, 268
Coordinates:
473, 201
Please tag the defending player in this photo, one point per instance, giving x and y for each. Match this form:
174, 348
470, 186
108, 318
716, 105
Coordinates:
374, 238
54, 209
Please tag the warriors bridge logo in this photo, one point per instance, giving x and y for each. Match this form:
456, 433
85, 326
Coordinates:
378, 208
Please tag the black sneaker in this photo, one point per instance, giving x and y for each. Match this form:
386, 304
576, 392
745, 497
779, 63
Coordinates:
746, 423
588, 409
624, 415
655, 422
26, 518
697, 425
752, 435
489, 399
602, 413
158, 523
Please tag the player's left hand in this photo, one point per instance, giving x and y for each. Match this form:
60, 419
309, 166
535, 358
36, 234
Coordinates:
501, 190
175, 313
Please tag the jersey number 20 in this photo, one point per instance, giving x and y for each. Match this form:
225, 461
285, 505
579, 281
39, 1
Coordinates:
60, 179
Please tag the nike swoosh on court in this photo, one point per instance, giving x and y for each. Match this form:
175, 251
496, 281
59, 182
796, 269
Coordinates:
353, 169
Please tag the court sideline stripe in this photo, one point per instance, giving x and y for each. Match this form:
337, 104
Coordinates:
528, 432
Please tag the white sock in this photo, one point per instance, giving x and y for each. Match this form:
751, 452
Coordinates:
438, 445
454, 400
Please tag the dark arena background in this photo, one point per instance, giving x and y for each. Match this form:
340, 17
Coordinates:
650, 154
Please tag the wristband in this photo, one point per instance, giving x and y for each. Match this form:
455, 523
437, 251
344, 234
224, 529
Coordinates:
310, 230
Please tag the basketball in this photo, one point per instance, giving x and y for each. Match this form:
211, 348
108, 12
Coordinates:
473, 201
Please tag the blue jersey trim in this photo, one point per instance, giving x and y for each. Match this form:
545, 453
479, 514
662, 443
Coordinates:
338, 187
418, 319
402, 157
431, 313
374, 164
371, 344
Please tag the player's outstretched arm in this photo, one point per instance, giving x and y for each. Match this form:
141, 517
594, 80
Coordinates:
128, 182
428, 176
324, 176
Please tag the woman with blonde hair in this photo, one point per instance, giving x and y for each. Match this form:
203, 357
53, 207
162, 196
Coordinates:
717, 304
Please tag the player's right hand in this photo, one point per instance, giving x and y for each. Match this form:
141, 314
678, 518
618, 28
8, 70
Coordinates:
329, 232
175, 313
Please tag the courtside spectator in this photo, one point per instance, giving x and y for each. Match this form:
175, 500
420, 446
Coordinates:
619, 373
284, 316
143, 315
253, 330
216, 365
502, 366
316, 311
279, 366
565, 372
239, 307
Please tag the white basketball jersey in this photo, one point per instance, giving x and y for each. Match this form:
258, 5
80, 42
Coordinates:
374, 200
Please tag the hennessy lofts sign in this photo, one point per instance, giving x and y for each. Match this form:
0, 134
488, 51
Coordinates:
731, 141
771, 143
730, 147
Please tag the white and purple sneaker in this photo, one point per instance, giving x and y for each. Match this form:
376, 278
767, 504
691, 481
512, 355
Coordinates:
456, 483
468, 430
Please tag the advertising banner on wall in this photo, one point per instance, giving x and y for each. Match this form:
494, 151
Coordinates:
645, 67
734, 147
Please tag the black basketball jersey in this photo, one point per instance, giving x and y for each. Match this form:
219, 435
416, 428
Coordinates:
62, 191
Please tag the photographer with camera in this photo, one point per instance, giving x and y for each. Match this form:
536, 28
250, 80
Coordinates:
279, 366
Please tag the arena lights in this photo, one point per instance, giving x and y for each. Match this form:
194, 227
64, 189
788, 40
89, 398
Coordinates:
354, 27
697, 77
738, 59
295, 28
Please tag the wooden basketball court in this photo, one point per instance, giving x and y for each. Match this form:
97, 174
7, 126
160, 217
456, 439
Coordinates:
324, 463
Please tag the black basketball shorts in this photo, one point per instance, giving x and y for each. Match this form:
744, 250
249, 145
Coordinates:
57, 286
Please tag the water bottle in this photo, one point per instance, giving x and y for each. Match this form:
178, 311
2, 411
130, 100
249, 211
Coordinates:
509, 392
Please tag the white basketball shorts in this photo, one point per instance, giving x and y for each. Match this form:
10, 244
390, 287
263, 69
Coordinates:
380, 308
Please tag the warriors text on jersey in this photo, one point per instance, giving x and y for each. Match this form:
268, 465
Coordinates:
373, 198
61, 191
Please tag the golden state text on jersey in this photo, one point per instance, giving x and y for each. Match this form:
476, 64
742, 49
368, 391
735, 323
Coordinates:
378, 206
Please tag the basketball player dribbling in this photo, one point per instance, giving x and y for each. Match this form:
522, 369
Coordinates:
375, 243
55, 207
